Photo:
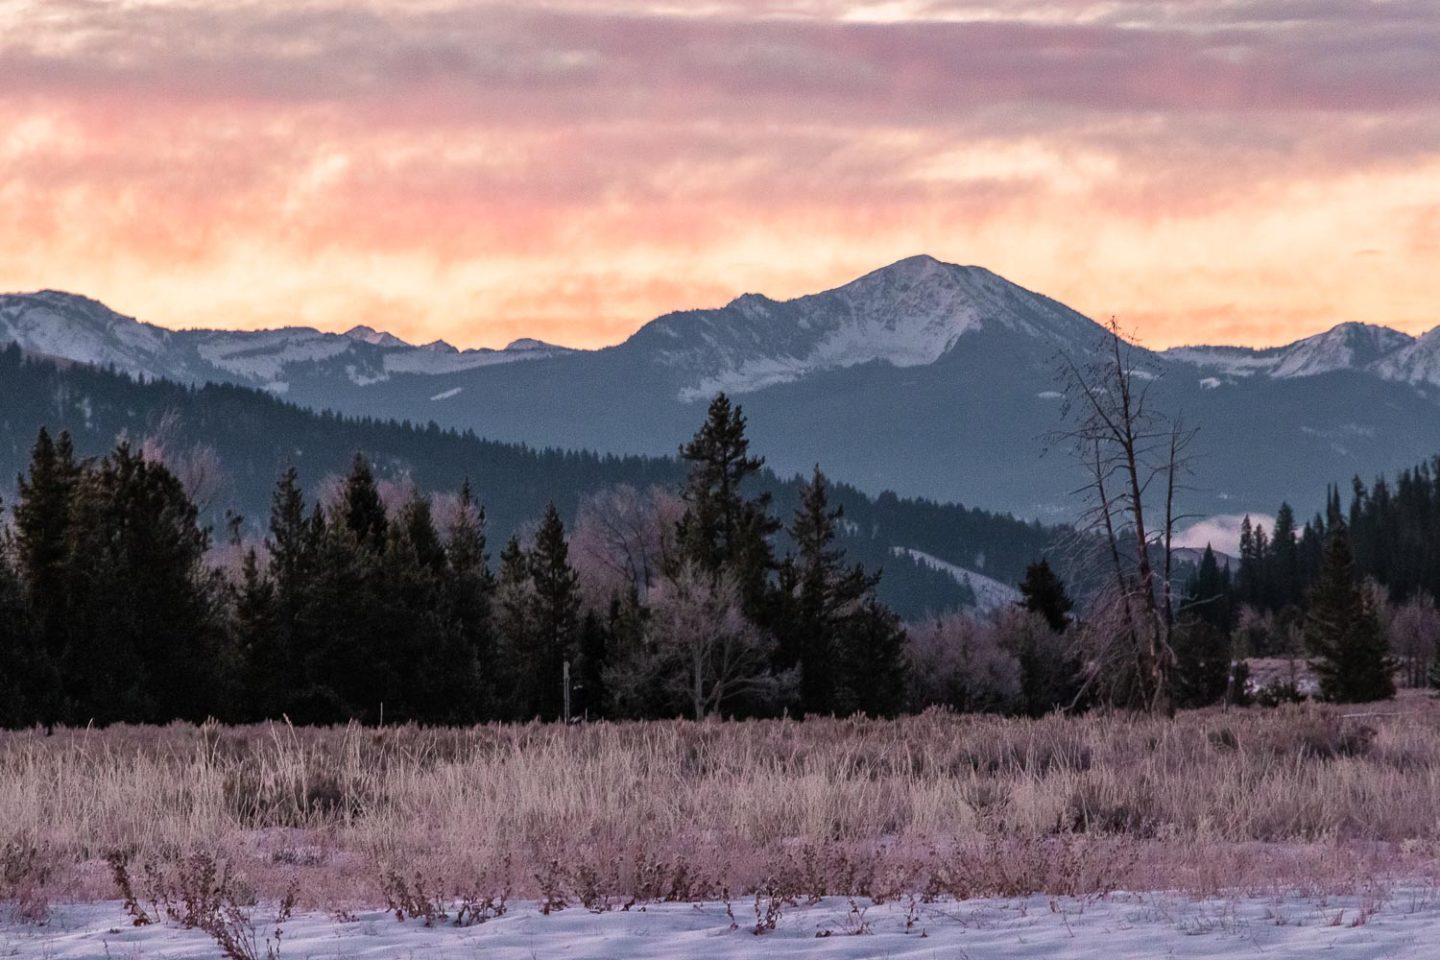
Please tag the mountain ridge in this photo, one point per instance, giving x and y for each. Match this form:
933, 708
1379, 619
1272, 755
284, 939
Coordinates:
924, 378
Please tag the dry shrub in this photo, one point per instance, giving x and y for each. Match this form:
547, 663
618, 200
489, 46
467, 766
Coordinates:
26, 871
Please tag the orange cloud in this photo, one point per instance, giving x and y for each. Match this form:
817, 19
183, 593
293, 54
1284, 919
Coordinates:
570, 170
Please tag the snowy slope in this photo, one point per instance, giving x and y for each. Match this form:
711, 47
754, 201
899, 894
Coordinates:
83, 330
76, 328
1367, 348
990, 594
1403, 925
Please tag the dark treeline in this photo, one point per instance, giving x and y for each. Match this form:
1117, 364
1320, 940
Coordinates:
112, 608
249, 437
1352, 589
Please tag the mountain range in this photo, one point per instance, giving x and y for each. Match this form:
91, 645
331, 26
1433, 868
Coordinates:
924, 378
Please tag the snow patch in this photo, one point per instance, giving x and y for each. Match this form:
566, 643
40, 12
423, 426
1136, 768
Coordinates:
990, 594
447, 394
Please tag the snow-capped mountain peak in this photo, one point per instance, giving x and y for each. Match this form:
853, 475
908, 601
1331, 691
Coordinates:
377, 338
1362, 347
1416, 362
1348, 346
910, 313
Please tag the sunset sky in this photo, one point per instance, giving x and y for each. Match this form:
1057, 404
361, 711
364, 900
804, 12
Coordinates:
1207, 170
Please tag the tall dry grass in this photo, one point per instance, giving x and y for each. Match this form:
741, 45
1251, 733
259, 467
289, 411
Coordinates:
936, 802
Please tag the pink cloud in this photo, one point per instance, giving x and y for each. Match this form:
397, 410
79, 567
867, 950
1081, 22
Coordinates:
659, 160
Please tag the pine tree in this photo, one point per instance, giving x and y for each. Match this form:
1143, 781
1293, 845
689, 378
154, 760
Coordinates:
267, 669
361, 507
590, 691
285, 659
1043, 592
345, 667
872, 670
557, 613
822, 594
417, 521
1202, 662
1285, 558
516, 660
722, 531
43, 519
143, 602
1207, 595
23, 668
468, 596
1351, 654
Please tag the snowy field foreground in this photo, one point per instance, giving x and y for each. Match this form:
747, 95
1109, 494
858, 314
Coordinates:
1117, 927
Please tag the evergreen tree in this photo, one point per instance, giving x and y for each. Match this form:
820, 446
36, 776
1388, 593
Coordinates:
361, 507
43, 520
1050, 670
1202, 662
1285, 559
1351, 654
417, 521
823, 594
721, 530
871, 668
1208, 596
590, 692
1042, 592
557, 614
22, 665
345, 676
143, 602
267, 669
516, 633
282, 663
468, 595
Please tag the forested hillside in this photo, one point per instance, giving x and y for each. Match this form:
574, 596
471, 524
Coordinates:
229, 444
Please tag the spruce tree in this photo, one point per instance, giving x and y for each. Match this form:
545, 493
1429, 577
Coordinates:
721, 530
557, 614
822, 594
23, 668
590, 691
1207, 595
1351, 654
267, 669
1043, 592
871, 667
43, 520
284, 661
144, 603
468, 594
1202, 662
361, 508
516, 635
1285, 559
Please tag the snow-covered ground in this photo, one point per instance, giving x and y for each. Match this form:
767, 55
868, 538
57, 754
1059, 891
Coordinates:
1117, 927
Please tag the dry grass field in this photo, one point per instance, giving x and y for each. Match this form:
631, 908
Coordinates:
1308, 796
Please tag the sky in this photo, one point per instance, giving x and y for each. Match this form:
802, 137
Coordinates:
1239, 171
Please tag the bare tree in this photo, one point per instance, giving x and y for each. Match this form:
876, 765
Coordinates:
705, 650
1133, 456
961, 661
1414, 631
197, 466
624, 541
